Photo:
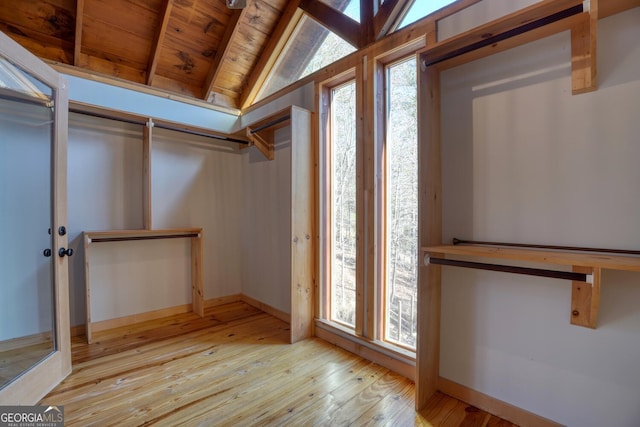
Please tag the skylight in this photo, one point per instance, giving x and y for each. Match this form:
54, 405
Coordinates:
351, 8
310, 48
421, 8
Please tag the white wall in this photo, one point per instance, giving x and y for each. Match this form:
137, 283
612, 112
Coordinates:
525, 161
104, 192
198, 183
266, 233
195, 182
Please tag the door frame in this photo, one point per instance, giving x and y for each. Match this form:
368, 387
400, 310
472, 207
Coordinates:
35, 383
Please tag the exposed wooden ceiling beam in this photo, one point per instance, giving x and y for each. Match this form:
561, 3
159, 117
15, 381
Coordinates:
336, 21
77, 49
165, 14
279, 37
388, 14
222, 51
367, 18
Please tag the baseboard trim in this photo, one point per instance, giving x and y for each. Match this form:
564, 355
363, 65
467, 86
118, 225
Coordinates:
493, 406
139, 317
78, 331
278, 314
104, 325
214, 302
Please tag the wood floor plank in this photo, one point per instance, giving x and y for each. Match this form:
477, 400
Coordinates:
234, 367
259, 389
158, 353
499, 422
395, 406
177, 381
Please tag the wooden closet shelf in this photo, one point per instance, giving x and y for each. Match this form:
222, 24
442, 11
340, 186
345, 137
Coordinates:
194, 234
577, 259
585, 297
141, 234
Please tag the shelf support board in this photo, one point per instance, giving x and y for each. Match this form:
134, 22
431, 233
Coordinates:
264, 142
584, 37
585, 298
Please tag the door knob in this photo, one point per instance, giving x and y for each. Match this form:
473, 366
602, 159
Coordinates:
62, 252
47, 253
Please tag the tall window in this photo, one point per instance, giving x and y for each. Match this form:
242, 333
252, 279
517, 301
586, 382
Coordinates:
342, 146
369, 220
401, 229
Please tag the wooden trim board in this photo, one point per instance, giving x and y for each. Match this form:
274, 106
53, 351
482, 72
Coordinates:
278, 314
179, 309
492, 405
118, 322
606, 261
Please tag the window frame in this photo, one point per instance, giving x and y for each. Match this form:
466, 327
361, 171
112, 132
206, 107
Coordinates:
325, 90
383, 244
370, 139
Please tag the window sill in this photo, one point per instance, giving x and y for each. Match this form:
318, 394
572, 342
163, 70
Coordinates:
397, 359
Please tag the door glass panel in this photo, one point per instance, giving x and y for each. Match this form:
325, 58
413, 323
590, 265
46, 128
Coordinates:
27, 282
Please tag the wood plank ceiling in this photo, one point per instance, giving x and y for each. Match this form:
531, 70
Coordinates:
196, 48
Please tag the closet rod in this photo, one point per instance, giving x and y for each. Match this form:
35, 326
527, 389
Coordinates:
195, 132
551, 247
269, 124
157, 125
554, 274
506, 35
123, 239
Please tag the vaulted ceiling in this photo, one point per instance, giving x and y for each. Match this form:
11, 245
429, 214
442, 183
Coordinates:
196, 48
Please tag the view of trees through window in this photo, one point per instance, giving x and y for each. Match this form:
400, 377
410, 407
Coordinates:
343, 204
401, 203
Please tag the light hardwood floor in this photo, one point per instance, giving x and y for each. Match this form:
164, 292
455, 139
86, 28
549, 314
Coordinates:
234, 368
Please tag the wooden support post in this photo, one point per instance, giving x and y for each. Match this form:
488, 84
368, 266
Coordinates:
302, 244
584, 37
147, 142
374, 200
197, 285
429, 230
158, 40
364, 195
87, 295
585, 298
77, 47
